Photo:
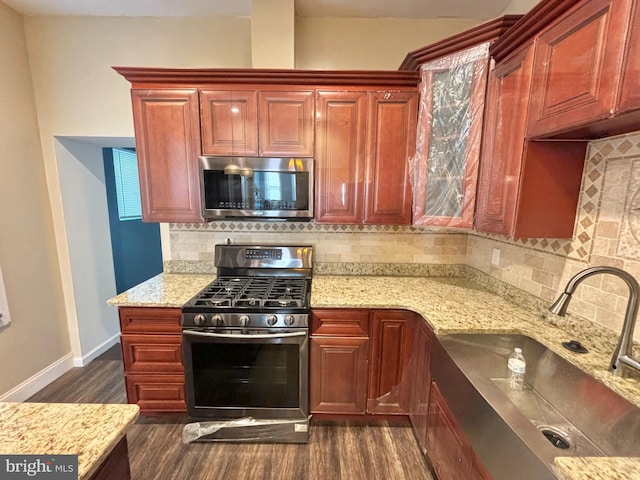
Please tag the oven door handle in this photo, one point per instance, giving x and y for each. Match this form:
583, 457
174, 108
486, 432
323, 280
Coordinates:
234, 335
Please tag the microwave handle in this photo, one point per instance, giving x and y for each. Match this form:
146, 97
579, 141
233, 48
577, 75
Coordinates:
234, 335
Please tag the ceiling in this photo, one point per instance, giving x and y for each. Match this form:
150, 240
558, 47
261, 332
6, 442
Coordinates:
484, 9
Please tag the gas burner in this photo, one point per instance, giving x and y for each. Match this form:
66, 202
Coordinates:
219, 302
248, 302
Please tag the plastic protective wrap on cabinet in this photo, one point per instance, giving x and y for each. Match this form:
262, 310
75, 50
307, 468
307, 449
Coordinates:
444, 168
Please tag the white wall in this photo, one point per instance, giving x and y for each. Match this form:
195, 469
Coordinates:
92, 323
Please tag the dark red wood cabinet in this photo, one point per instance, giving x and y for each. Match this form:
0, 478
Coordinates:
449, 451
577, 67
359, 361
167, 131
363, 141
526, 188
151, 341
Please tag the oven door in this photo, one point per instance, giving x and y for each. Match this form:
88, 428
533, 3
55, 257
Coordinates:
239, 372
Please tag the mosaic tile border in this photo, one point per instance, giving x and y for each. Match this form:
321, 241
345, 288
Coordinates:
301, 227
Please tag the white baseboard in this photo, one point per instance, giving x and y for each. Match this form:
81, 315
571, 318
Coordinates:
47, 375
38, 381
99, 350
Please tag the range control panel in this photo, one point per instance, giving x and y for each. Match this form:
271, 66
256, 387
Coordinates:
263, 254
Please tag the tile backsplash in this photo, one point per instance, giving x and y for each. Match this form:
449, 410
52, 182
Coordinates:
607, 233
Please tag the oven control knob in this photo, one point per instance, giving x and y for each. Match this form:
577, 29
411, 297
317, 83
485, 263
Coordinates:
199, 319
217, 320
289, 320
272, 320
244, 320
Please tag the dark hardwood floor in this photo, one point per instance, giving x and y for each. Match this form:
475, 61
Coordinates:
336, 450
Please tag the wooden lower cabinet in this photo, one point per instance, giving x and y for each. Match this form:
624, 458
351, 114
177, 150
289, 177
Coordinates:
116, 465
420, 374
359, 361
339, 370
391, 345
151, 342
449, 451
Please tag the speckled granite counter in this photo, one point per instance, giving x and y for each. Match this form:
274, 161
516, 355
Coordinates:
89, 430
163, 290
450, 304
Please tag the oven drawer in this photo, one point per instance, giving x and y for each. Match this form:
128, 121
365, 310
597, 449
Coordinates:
152, 353
150, 320
343, 323
156, 393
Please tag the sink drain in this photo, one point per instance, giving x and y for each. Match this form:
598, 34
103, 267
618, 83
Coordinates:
557, 437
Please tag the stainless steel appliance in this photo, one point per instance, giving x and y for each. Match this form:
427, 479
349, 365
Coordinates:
246, 343
252, 187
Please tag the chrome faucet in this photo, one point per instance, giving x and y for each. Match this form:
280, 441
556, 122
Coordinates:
622, 354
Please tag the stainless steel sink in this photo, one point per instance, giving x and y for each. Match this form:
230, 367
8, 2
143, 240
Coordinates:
562, 411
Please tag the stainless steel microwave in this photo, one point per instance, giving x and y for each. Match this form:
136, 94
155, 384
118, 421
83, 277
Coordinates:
256, 187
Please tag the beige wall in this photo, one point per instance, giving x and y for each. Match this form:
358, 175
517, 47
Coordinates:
37, 336
367, 43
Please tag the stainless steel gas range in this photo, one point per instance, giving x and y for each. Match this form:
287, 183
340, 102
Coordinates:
246, 344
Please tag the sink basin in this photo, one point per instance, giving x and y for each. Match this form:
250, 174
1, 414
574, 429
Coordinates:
561, 412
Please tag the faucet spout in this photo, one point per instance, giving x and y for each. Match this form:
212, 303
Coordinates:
622, 355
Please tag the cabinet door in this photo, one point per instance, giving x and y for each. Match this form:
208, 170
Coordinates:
167, 130
576, 69
340, 156
285, 123
229, 122
448, 449
421, 383
449, 137
338, 374
391, 346
152, 353
630, 88
156, 393
390, 142
503, 144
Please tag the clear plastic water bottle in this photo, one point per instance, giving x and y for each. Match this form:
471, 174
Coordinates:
516, 367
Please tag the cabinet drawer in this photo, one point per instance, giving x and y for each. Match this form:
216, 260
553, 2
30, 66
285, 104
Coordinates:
152, 353
343, 323
156, 393
150, 320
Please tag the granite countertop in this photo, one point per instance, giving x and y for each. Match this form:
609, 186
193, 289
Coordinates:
450, 304
163, 290
89, 430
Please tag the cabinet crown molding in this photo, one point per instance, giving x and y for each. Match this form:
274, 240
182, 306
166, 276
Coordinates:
141, 77
485, 32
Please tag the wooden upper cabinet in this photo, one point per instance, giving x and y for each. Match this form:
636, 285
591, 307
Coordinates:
167, 130
340, 156
576, 69
449, 137
363, 142
630, 87
526, 188
229, 122
503, 144
286, 123
391, 141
